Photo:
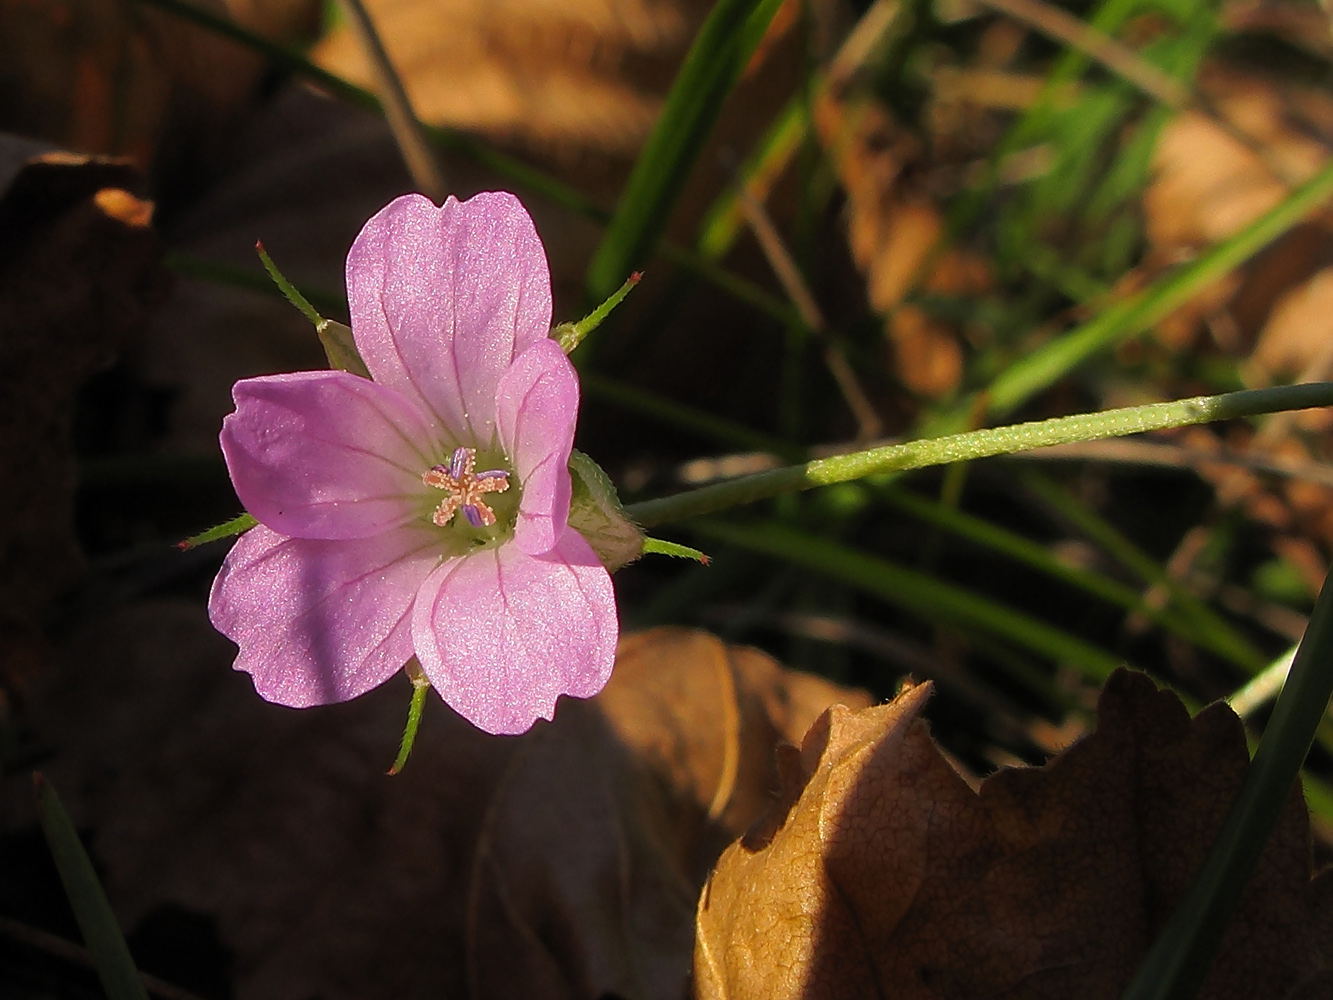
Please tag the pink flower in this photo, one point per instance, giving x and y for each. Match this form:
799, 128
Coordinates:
378, 537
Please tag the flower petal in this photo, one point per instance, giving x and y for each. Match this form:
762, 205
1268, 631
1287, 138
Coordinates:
326, 454
537, 405
443, 299
320, 622
501, 634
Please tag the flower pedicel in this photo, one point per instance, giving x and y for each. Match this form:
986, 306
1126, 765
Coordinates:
378, 538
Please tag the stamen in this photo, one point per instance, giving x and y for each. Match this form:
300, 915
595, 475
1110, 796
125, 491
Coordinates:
464, 488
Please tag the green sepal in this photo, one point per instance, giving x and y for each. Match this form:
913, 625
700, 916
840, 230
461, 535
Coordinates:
290, 291
340, 348
661, 547
570, 335
236, 526
596, 514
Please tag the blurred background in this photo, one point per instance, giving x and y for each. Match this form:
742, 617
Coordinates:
910, 217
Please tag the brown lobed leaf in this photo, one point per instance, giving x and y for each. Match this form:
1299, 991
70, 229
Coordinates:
880, 873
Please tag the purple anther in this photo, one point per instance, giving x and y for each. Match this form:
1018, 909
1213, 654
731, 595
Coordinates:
458, 464
473, 515
492, 474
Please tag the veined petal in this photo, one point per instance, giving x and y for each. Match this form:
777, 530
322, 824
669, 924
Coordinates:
443, 299
327, 454
320, 622
536, 406
502, 634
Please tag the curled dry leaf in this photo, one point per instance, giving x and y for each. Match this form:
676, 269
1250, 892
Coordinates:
880, 873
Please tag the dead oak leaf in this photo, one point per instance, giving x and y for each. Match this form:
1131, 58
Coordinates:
880, 873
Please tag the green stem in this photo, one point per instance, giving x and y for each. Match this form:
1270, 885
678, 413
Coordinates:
420, 685
980, 444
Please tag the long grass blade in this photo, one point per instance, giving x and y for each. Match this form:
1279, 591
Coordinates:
711, 70
922, 594
101, 933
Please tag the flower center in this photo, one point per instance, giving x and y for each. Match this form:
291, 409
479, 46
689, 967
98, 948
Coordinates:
464, 488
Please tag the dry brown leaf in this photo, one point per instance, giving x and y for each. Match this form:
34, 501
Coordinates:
1208, 184
102, 76
895, 239
563, 863
1294, 345
588, 75
880, 873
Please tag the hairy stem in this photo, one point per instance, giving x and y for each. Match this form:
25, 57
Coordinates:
979, 444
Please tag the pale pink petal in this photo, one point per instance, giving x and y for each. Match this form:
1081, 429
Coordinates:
443, 299
537, 405
320, 621
327, 454
501, 634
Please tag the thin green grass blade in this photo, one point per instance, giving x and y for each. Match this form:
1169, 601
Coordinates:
725, 220
236, 276
293, 62
1318, 796
1037, 557
1225, 639
924, 595
1180, 957
1045, 366
97, 923
733, 284
714, 64
668, 411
